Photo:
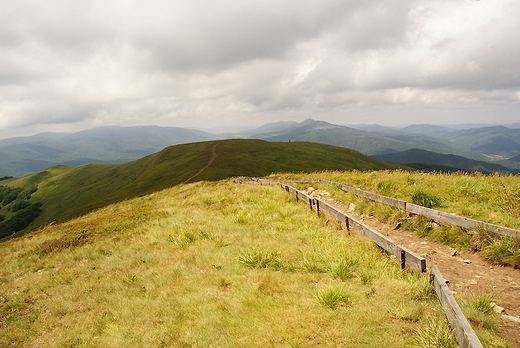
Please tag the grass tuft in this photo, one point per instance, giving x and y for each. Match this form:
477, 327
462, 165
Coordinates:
434, 333
505, 250
479, 310
343, 268
254, 257
333, 297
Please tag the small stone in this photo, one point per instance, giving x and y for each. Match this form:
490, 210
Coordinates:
497, 308
351, 207
467, 262
424, 243
454, 253
511, 318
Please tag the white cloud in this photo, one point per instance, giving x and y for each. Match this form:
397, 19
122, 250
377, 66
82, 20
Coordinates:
75, 64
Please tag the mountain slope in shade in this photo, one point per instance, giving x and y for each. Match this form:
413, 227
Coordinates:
515, 159
499, 140
418, 156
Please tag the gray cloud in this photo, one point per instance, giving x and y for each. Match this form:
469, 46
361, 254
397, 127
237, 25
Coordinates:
75, 64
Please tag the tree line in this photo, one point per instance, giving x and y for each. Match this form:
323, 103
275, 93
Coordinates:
19, 211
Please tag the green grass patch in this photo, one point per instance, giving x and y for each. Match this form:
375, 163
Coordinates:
333, 296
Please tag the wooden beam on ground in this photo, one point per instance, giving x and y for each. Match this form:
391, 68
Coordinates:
463, 331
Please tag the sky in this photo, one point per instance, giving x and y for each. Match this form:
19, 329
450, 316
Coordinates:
71, 65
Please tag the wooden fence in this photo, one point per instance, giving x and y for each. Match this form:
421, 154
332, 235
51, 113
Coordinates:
461, 327
464, 334
436, 215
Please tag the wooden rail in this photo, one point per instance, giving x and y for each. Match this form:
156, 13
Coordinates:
461, 327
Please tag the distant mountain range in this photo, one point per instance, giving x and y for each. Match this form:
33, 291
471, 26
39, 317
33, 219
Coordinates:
427, 160
23, 155
495, 145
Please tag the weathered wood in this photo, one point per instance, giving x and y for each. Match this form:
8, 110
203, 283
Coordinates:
460, 221
374, 196
465, 335
412, 259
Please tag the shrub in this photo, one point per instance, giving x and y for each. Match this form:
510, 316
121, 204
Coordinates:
425, 199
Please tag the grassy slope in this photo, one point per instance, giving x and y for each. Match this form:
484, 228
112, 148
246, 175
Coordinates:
490, 198
209, 264
69, 192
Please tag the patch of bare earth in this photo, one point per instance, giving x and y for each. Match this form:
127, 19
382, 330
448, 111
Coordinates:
467, 272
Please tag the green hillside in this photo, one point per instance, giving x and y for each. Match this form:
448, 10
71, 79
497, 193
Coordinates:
210, 264
68, 192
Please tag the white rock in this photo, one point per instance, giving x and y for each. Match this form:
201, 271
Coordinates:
497, 308
467, 261
511, 318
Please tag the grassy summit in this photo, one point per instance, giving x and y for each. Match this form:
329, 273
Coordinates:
69, 192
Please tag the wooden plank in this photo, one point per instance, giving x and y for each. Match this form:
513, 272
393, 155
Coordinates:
411, 259
439, 216
374, 196
465, 335
461, 221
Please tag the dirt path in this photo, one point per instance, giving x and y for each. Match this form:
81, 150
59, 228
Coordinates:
467, 272
213, 156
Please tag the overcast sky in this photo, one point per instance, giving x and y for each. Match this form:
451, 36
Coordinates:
70, 65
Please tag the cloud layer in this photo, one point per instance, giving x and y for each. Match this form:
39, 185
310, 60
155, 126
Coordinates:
75, 64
